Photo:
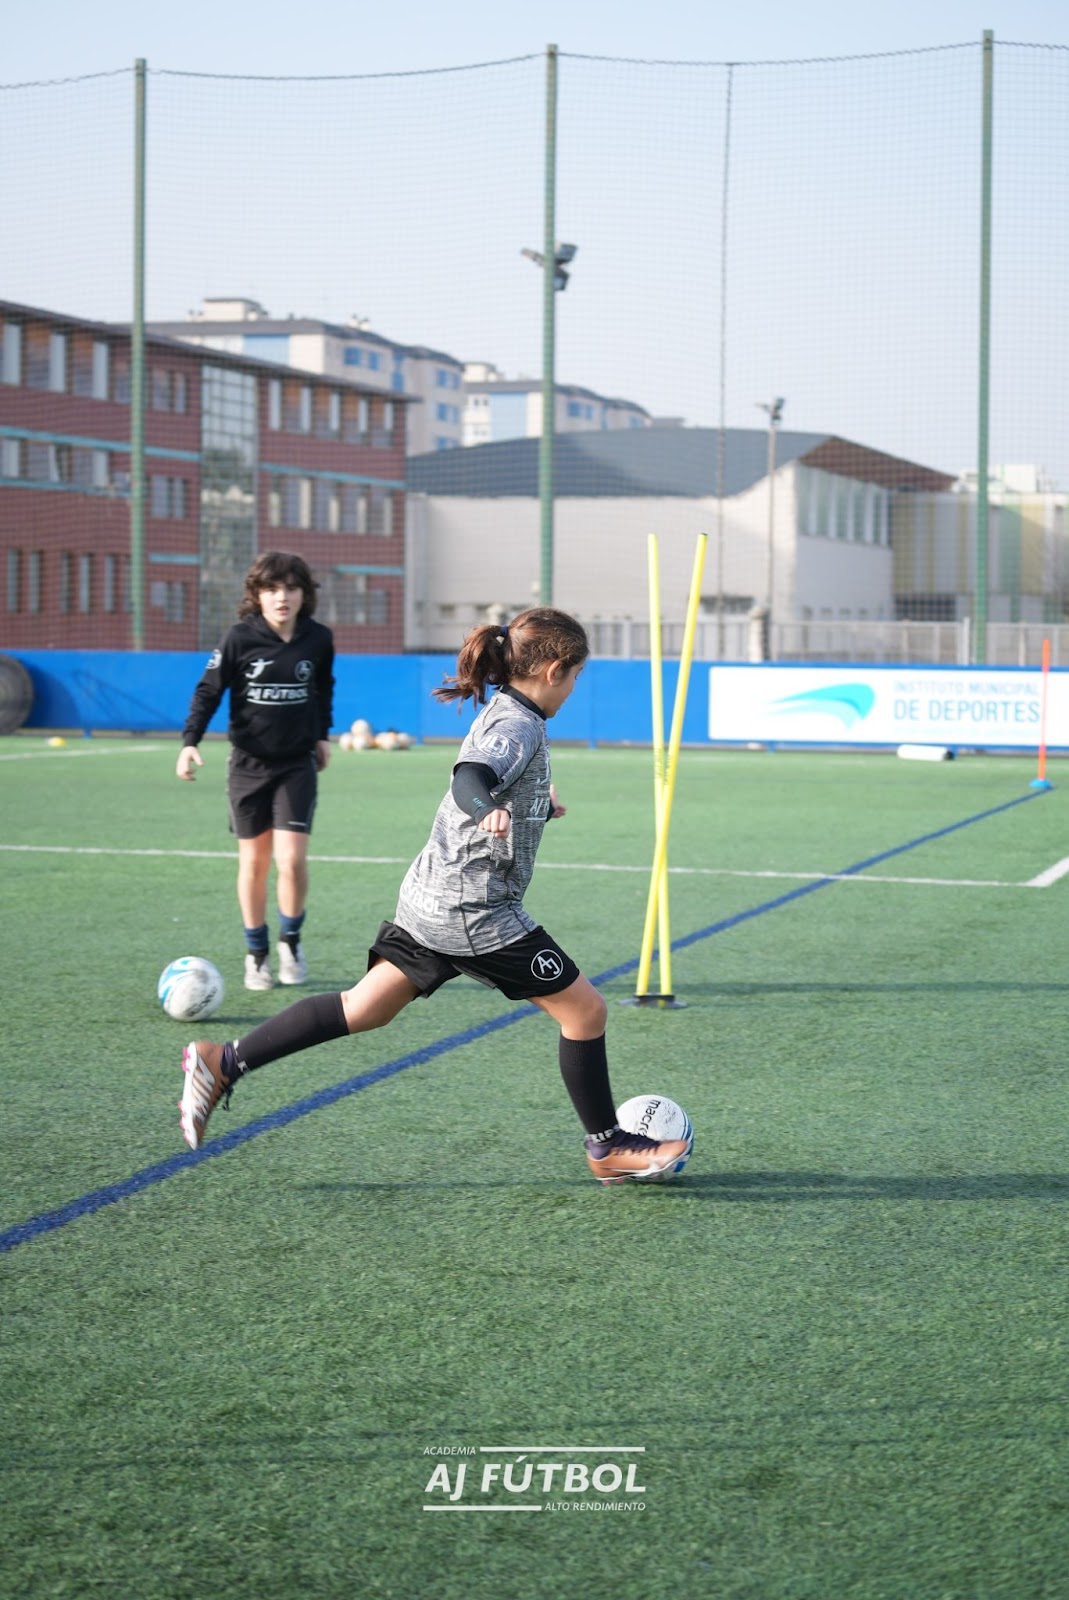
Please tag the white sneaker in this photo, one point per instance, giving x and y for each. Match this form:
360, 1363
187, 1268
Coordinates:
258, 974
292, 967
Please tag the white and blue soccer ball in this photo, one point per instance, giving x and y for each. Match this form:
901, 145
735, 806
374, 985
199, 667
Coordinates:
190, 988
658, 1118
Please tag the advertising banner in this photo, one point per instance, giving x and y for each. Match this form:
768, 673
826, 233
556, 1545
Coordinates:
959, 707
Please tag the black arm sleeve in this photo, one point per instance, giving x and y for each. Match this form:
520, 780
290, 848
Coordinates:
208, 695
472, 788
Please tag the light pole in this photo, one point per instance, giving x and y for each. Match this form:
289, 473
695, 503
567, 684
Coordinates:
775, 417
555, 281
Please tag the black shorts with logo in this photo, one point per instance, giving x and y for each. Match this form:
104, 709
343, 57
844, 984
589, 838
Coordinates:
263, 795
533, 966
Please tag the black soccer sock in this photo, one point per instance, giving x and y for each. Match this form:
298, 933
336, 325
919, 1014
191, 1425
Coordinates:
585, 1070
314, 1020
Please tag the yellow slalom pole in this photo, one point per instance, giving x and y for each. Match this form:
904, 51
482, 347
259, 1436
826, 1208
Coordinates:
660, 859
657, 704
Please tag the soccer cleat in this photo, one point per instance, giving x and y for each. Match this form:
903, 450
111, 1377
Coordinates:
632, 1158
205, 1086
292, 967
258, 972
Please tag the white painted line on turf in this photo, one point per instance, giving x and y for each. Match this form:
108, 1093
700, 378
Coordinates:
1052, 874
567, 866
63, 755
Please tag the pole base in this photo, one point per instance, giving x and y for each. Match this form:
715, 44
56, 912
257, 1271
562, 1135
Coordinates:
663, 1002
1040, 783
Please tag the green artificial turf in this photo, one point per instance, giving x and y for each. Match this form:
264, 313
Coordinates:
838, 1340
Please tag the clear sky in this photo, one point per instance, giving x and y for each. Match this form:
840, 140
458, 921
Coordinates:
852, 276
338, 36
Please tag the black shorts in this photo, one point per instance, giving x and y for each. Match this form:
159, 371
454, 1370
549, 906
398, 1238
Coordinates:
533, 966
264, 795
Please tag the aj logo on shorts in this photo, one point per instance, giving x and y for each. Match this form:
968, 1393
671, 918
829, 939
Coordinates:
547, 965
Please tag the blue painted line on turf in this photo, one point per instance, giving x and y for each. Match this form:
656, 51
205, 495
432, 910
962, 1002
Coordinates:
97, 1199
820, 883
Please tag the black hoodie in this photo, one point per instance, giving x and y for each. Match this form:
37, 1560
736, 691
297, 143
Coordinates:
281, 695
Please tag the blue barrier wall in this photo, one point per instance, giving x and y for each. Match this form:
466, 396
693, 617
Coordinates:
815, 704
115, 691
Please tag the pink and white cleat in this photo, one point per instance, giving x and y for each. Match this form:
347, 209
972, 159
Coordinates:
205, 1086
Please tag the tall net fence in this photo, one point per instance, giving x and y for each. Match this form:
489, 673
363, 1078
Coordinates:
770, 333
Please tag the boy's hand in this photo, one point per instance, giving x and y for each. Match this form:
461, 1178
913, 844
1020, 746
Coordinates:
555, 807
188, 758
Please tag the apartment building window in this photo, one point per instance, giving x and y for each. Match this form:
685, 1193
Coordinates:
35, 581
66, 580
48, 463
167, 496
274, 404
381, 511
160, 388
343, 597
10, 458
85, 583
14, 575
111, 583
357, 418
57, 362
334, 414
11, 353
170, 598
101, 364
354, 508
374, 360
274, 503
304, 412
297, 502
180, 393
327, 498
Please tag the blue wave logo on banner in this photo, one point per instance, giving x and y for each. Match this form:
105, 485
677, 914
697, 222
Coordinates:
848, 702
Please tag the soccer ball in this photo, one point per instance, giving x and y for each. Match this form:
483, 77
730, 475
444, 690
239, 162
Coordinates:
658, 1118
190, 988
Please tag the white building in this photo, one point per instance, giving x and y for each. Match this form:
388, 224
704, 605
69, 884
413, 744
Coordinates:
349, 351
496, 407
474, 539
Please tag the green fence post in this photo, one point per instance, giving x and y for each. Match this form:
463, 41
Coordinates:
984, 386
136, 373
549, 334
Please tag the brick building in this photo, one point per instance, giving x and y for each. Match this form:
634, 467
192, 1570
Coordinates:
241, 456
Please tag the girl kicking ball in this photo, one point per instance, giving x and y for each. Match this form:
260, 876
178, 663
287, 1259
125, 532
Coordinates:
460, 907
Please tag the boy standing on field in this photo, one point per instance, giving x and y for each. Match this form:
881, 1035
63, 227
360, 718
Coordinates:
278, 665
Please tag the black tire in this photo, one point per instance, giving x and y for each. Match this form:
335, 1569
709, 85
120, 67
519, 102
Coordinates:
16, 694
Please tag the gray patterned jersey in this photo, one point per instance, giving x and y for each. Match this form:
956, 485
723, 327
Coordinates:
463, 894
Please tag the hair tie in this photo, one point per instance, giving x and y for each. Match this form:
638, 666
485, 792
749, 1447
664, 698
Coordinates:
504, 632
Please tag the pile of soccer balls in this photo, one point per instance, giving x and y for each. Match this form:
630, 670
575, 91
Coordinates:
362, 736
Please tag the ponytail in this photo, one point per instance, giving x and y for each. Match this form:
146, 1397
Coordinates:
493, 655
